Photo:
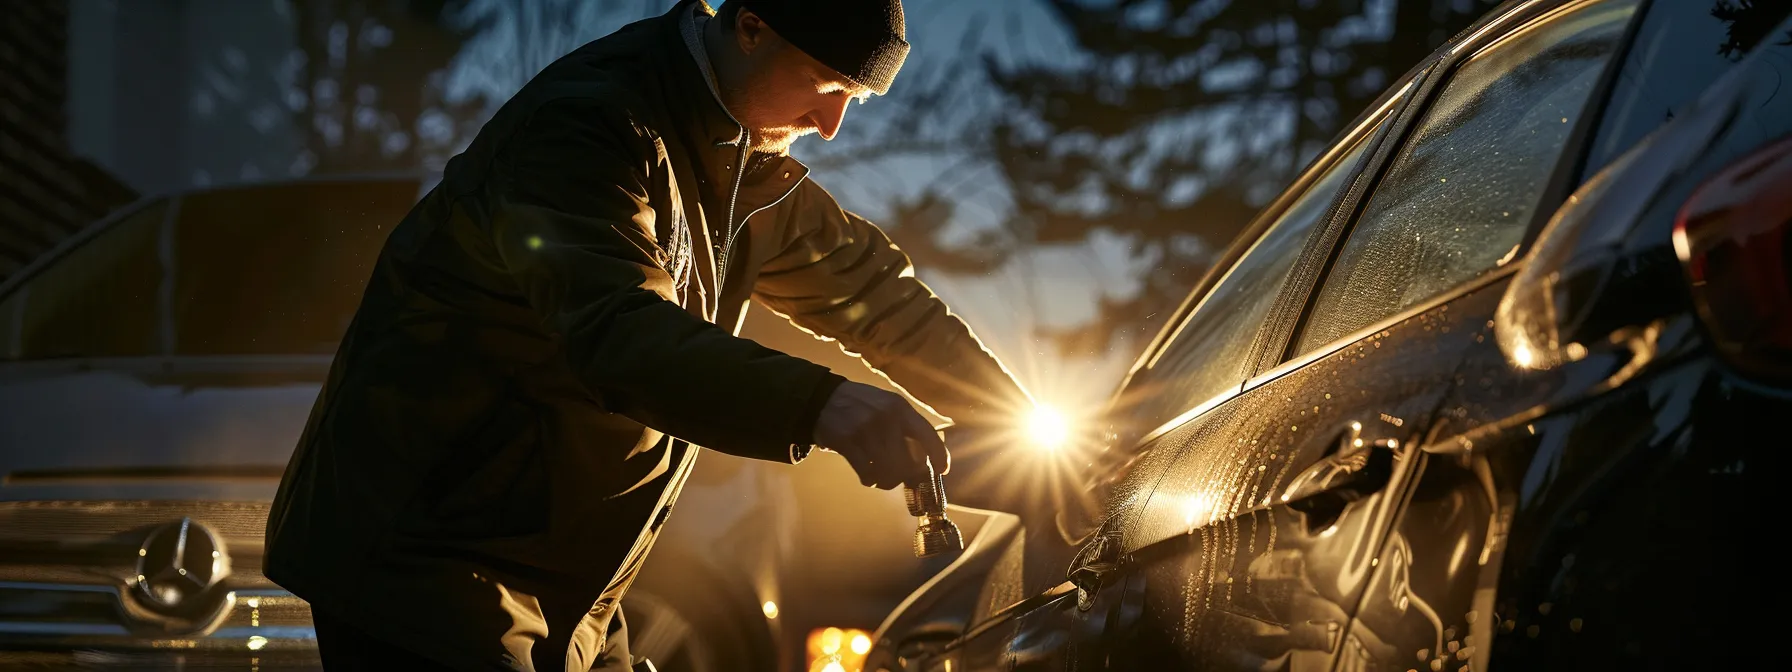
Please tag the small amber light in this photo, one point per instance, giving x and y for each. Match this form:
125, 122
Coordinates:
834, 649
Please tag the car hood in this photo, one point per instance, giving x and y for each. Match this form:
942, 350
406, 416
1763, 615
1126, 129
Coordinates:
152, 428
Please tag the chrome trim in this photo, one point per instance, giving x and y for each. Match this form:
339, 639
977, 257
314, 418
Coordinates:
1009, 612
287, 616
1495, 23
68, 587
1320, 353
1191, 305
1418, 309
996, 524
1191, 414
64, 629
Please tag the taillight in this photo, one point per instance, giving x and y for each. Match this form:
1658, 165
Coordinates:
1732, 237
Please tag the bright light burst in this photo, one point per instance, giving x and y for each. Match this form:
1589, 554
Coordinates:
1047, 428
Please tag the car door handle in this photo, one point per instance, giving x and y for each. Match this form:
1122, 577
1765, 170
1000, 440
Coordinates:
1355, 470
1094, 561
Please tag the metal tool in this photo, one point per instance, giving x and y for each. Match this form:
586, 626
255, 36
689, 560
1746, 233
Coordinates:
934, 532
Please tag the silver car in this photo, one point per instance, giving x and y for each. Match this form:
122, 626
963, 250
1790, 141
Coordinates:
155, 374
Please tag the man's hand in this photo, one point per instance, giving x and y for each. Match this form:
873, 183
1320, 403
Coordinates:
887, 442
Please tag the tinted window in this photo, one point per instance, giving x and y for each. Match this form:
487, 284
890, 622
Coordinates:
260, 270
1680, 48
1460, 193
279, 271
1211, 349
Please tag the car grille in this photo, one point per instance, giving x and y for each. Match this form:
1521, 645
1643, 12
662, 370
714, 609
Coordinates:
68, 573
59, 521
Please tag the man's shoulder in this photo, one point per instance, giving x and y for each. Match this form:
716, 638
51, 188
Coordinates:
607, 89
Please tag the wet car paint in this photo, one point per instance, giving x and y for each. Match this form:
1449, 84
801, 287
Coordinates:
1216, 566
1601, 534
1592, 514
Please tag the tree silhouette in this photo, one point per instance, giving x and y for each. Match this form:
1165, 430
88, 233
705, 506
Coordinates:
369, 87
1180, 118
1750, 22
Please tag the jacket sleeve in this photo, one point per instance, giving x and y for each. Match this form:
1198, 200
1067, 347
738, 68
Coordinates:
573, 226
838, 276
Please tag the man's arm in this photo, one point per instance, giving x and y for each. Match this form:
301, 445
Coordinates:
573, 227
838, 276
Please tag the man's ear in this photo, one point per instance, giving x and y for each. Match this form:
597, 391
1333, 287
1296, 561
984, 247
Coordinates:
750, 32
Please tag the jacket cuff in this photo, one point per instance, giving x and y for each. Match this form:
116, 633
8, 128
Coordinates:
810, 413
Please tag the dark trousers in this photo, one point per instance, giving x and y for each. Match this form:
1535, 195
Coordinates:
345, 648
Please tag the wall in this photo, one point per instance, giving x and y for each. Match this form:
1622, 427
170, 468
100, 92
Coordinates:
46, 192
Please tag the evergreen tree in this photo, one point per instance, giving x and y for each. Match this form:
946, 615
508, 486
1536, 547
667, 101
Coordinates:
1178, 119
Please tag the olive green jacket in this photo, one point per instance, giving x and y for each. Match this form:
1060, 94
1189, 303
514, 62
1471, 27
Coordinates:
538, 349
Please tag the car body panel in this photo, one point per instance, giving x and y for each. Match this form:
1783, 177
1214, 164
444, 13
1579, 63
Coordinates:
1531, 504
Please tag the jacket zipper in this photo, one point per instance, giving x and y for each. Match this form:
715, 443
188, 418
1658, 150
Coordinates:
740, 173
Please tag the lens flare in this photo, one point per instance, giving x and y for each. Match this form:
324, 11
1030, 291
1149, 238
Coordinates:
1047, 428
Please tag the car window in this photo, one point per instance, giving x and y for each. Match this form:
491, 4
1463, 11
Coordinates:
266, 270
1211, 347
1680, 48
1460, 193
278, 270
100, 299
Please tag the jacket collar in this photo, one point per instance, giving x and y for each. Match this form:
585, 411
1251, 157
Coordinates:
775, 176
719, 125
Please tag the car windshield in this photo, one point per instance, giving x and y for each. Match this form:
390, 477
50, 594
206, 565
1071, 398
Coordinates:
1680, 48
262, 270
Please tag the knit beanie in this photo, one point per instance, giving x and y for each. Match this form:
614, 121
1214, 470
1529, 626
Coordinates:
862, 39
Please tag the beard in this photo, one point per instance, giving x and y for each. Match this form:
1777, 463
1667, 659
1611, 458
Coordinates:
778, 139
772, 129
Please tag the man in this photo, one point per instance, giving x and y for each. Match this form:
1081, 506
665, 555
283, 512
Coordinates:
514, 408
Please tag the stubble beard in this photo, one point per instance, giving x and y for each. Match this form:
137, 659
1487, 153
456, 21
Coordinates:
778, 139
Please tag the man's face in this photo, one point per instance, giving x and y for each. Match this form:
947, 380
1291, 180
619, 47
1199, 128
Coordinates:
780, 93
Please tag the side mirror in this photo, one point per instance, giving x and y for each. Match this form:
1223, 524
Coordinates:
1598, 267
1608, 260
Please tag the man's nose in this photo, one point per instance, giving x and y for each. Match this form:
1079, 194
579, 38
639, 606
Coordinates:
830, 116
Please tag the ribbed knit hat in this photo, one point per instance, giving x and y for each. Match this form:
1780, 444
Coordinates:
862, 39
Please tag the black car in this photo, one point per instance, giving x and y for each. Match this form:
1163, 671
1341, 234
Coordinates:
1480, 388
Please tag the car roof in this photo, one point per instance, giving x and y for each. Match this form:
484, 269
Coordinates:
11, 282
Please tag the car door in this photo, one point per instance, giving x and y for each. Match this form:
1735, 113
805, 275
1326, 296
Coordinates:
1209, 357
1258, 544
1552, 526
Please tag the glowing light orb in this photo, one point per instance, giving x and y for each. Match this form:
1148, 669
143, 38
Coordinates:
1047, 428
1523, 356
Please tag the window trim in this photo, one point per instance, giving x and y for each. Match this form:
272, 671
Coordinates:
1268, 215
1511, 24
1408, 103
1324, 163
1480, 282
